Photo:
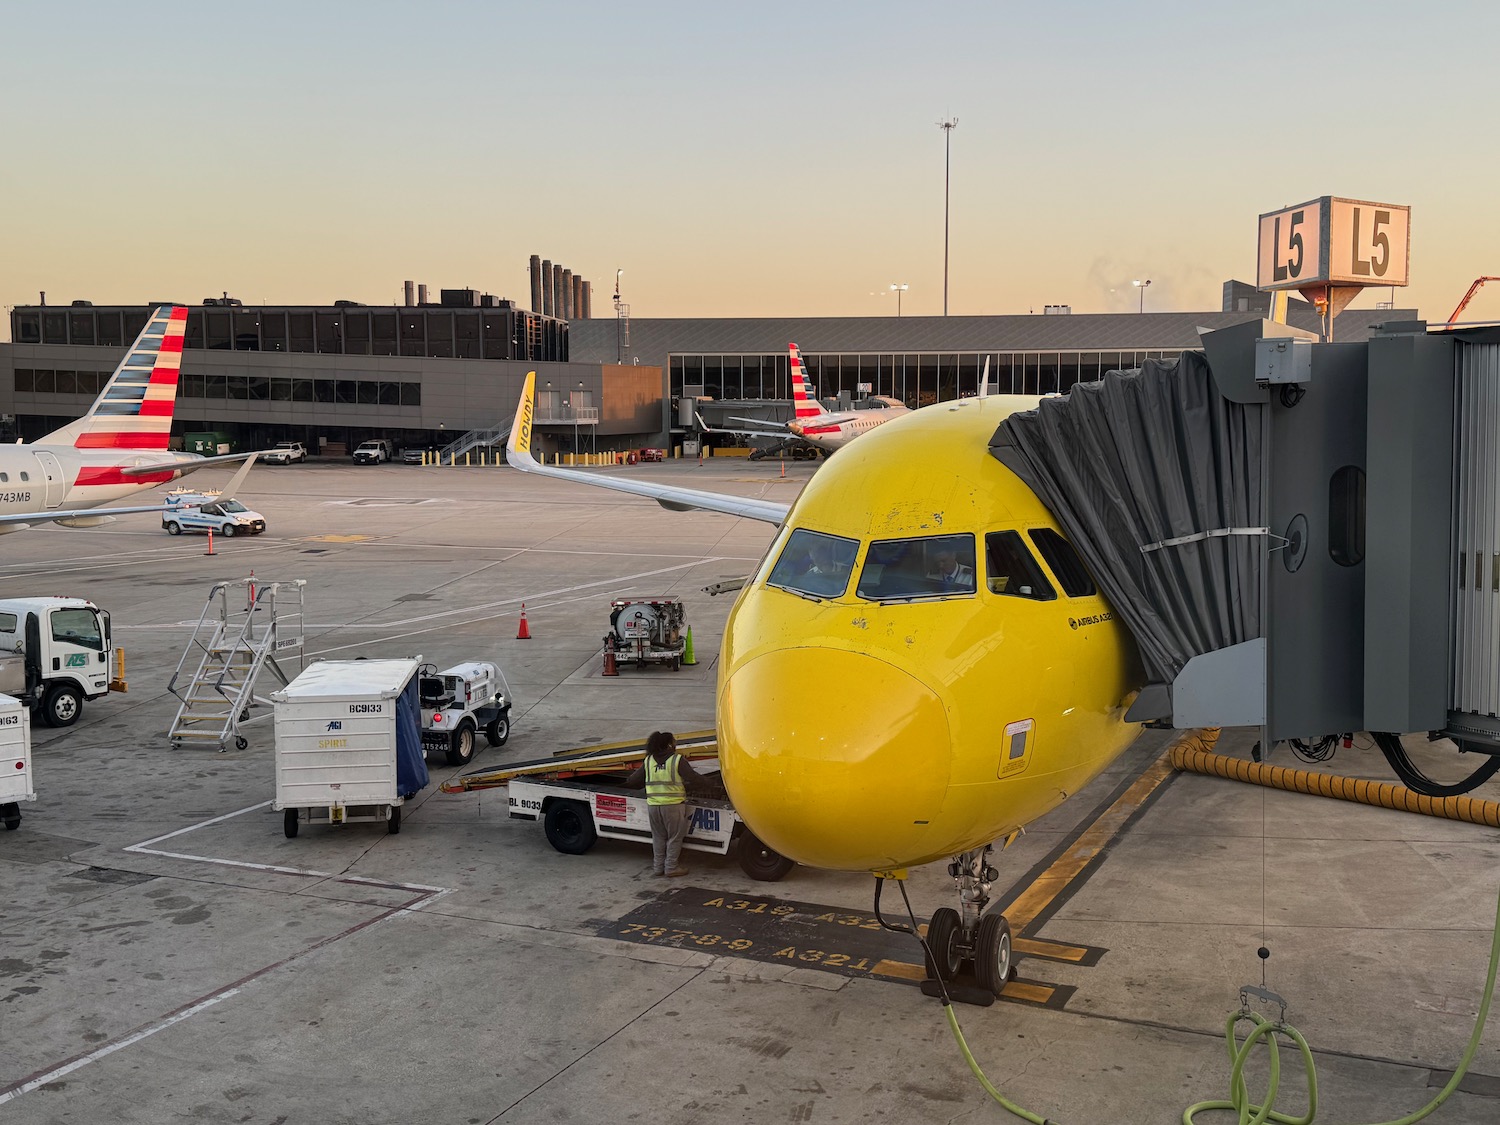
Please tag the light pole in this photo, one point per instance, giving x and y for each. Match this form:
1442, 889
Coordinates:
619, 332
947, 127
1141, 285
898, 290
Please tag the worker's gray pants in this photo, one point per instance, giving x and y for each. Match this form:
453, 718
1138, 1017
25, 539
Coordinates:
669, 825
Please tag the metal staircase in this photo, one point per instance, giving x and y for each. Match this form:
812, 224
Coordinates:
494, 436
243, 628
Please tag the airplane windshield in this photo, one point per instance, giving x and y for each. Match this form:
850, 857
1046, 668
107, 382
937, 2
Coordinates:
814, 564
932, 566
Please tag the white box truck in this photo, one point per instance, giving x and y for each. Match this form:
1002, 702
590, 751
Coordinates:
15, 760
348, 743
54, 654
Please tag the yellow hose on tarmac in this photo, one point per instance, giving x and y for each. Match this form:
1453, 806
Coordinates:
1381, 793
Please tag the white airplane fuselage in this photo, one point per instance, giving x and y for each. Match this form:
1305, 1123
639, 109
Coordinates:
835, 435
41, 478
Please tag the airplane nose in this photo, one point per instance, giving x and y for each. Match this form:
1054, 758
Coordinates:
833, 758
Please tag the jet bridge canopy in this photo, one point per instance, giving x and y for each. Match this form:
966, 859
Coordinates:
1314, 549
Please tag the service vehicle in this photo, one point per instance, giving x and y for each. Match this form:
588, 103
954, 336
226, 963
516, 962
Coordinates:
285, 453
204, 511
459, 702
15, 760
372, 452
348, 743
643, 631
54, 654
579, 798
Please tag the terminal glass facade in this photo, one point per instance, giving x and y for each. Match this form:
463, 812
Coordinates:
914, 378
498, 332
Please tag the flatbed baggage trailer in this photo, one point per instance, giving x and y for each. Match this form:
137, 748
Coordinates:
578, 797
15, 760
348, 743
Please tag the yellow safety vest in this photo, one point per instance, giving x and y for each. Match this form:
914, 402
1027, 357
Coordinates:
664, 782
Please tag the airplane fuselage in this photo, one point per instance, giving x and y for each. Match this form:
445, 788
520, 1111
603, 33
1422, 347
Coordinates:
836, 435
40, 478
864, 734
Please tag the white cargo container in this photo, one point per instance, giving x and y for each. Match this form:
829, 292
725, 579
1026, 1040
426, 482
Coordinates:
15, 760
336, 743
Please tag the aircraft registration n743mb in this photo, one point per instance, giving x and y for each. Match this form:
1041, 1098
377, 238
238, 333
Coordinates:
980, 677
118, 448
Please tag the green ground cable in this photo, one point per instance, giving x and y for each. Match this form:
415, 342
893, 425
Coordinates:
1255, 1115
1266, 1030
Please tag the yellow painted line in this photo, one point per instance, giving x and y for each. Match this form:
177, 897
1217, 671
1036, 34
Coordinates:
1056, 950
1037, 897
338, 538
1036, 993
901, 970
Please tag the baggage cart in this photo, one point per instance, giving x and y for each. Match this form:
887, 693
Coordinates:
348, 743
15, 760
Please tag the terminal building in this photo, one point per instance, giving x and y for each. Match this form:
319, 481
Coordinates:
426, 373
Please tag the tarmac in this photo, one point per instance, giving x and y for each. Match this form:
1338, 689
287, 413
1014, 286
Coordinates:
166, 954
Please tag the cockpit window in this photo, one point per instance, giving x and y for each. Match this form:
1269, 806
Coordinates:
815, 564
1012, 570
932, 566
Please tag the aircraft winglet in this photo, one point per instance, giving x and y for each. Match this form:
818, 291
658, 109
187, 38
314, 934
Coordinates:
519, 455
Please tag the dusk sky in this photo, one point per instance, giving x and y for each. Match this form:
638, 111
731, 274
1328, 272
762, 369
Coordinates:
766, 159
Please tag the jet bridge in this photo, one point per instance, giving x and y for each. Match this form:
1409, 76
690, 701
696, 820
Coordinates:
1301, 536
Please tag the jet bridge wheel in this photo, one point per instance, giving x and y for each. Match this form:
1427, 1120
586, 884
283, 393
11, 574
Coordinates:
1414, 779
944, 958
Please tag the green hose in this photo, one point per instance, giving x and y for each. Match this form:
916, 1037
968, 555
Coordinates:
1267, 1031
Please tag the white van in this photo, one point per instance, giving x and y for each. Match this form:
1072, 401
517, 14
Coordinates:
204, 511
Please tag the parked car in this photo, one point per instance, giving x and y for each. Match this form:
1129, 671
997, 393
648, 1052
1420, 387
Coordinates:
286, 453
204, 511
413, 455
372, 452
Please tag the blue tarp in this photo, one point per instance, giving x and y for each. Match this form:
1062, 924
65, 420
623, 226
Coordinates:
411, 760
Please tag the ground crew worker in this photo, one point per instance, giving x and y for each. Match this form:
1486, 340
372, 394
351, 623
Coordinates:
665, 774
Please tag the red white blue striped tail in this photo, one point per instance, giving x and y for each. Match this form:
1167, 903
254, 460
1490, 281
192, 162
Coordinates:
803, 403
134, 411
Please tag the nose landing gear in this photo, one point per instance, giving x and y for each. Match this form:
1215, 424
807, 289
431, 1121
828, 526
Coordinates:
968, 937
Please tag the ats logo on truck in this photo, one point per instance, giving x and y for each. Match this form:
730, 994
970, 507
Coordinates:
78, 660
366, 708
336, 724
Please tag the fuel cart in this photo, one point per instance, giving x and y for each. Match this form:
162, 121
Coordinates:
15, 760
645, 631
349, 743
579, 798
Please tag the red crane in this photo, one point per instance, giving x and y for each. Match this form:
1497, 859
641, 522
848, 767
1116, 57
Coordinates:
1469, 296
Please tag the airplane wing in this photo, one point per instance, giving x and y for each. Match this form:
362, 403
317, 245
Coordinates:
751, 421
518, 453
23, 520
191, 464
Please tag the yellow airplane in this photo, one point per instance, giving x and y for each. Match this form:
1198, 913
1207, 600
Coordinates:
920, 666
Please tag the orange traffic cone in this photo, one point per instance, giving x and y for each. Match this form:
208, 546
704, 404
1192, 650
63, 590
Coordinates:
250, 594
524, 632
610, 667
210, 550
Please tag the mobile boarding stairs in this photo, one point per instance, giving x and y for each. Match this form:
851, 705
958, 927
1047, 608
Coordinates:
244, 628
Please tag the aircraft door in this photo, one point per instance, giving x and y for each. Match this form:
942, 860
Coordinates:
57, 486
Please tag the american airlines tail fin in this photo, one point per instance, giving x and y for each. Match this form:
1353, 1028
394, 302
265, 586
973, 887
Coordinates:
134, 411
805, 406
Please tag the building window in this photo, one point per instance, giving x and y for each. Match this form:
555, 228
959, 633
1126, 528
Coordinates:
25, 379
28, 328
413, 341
325, 390
300, 332
390, 394
411, 394
367, 393
190, 386
54, 328
239, 387
330, 331
214, 387
45, 382
383, 334
81, 328
246, 332
302, 390
357, 333
348, 391
273, 331
216, 331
